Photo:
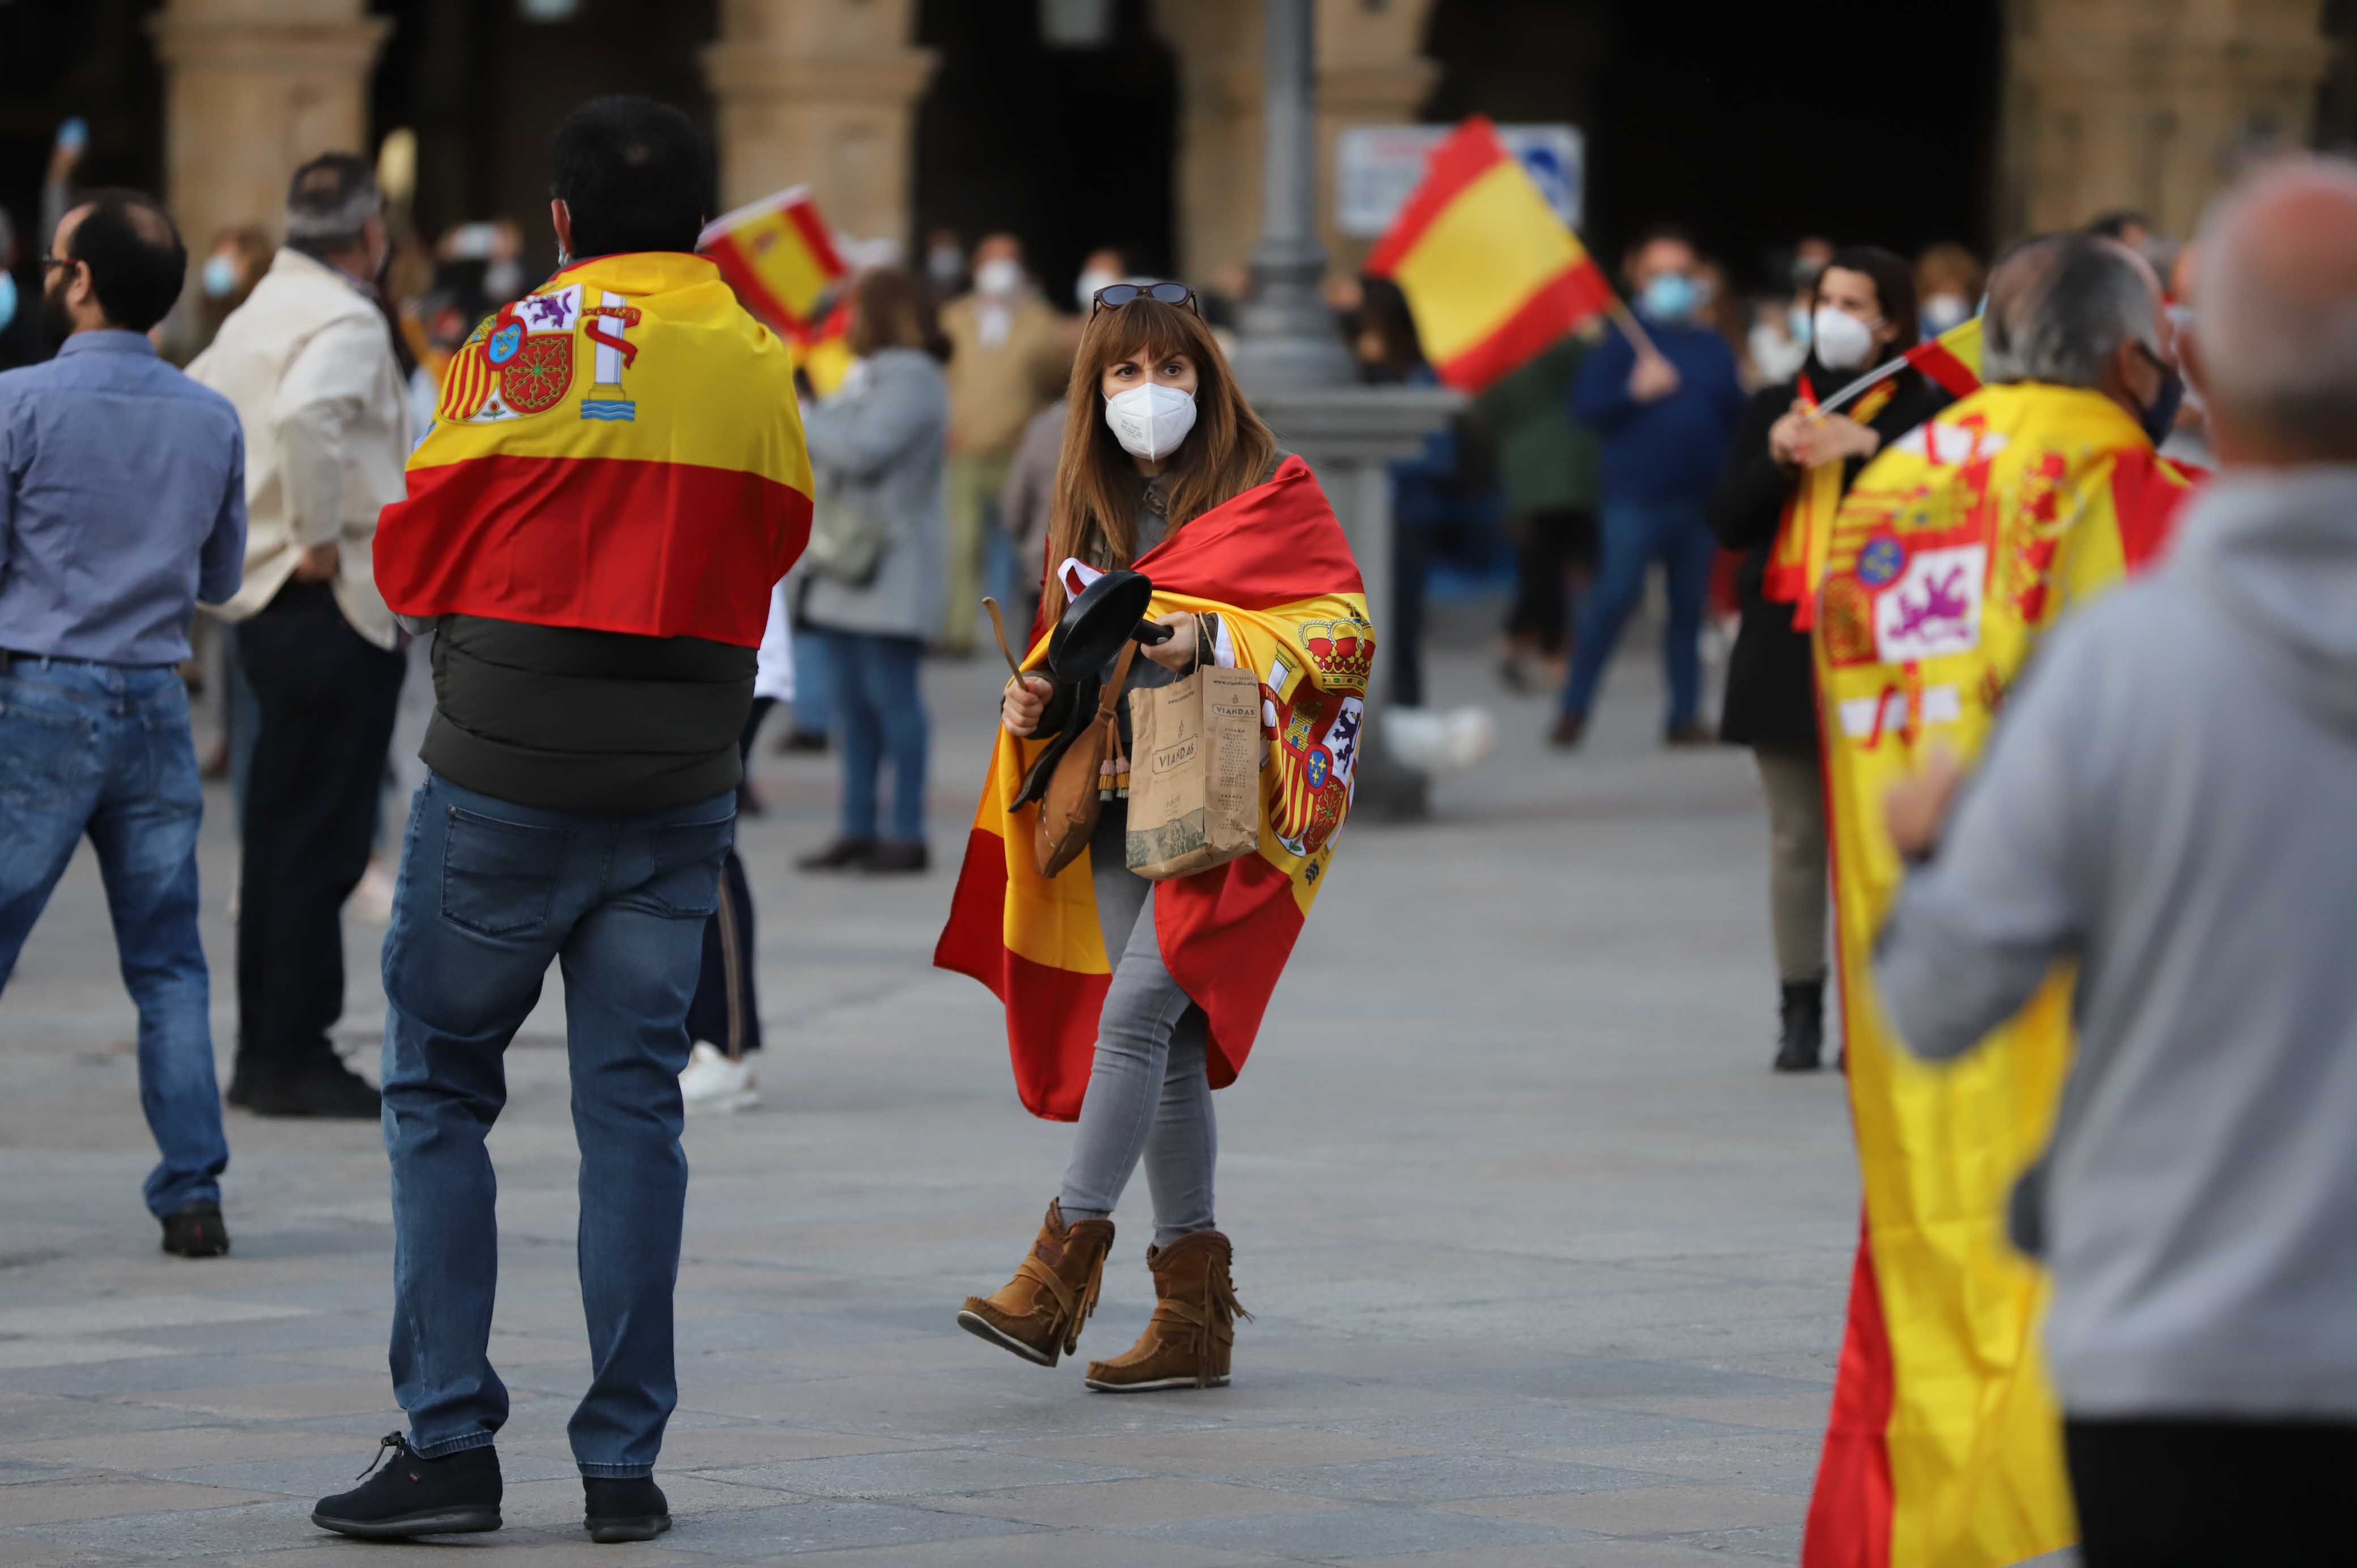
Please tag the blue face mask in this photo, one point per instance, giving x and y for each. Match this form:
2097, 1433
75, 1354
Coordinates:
220, 276
8, 300
1669, 297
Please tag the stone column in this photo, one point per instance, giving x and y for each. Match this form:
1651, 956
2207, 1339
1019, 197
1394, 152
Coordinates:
1369, 73
252, 88
823, 93
1218, 46
2113, 103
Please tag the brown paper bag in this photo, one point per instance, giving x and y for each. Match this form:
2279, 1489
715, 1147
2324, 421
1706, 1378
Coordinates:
1194, 778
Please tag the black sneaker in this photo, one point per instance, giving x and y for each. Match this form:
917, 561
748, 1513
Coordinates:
617, 1511
195, 1231
457, 1493
324, 1088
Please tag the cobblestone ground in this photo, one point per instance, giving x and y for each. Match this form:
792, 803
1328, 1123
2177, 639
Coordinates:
1548, 1268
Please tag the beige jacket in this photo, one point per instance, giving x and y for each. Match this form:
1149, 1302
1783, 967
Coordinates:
1002, 372
309, 364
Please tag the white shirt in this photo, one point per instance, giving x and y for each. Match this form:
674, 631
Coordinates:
307, 360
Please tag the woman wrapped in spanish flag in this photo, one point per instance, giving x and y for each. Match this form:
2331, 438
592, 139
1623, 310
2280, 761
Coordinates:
1128, 1001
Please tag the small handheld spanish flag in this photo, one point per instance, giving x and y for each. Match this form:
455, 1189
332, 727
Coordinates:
1495, 277
776, 254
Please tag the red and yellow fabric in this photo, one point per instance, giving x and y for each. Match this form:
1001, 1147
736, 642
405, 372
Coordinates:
824, 352
1273, 566
776, 254
1797, 558
1953, 358
619, 450
1493, 275
1951, 554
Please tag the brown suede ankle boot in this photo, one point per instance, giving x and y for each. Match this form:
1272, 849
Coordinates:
1039, 1313
1186, 1341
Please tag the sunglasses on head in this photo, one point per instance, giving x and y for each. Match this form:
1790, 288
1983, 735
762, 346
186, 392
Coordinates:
1113, 297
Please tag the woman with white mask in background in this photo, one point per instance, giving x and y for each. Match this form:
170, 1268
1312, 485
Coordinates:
1164, 465
1786, 458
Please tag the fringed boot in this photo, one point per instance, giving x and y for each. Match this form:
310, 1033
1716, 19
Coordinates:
1039, 1313
1187, 1342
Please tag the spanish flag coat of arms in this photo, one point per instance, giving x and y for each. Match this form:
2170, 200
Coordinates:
1274, 566
1949, 558
619, 450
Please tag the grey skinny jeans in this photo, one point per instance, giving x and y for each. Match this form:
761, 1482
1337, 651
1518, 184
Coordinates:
1148, 1095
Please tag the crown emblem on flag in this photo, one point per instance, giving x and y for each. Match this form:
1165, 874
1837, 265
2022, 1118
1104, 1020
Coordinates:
1343, 648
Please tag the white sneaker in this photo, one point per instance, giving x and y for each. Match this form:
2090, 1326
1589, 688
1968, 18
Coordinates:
712, 1085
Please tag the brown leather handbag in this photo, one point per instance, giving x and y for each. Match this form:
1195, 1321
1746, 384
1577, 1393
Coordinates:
1076, 797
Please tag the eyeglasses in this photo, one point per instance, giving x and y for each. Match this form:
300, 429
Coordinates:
1113, 297
49, 261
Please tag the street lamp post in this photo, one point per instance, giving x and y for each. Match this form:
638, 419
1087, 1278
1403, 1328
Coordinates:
1291, 359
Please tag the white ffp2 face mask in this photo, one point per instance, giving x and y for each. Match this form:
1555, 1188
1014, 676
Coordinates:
1150, 421
1842, 341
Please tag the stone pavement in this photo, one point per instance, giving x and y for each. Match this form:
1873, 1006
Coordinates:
1548, 1268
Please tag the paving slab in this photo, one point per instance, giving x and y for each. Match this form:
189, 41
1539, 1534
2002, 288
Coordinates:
1547, 1267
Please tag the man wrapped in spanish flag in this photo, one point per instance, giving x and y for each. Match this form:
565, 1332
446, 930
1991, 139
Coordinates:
1950, 557
614, 480
1128, 1001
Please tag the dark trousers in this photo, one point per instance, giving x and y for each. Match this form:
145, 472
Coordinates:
2211, 1494
1554, 544
326, 696
727, 1011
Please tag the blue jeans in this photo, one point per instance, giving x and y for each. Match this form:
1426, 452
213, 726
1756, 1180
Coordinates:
879, 717
1676, 534
103, 749
490, 893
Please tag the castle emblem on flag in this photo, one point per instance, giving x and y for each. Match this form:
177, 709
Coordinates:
517, 363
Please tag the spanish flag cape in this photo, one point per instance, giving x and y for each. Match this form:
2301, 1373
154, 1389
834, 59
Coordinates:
619, 450
1273, 566
1950, 557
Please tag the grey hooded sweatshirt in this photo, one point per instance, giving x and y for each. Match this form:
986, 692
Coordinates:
2171, 800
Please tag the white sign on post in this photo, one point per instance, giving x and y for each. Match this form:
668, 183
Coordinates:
1379, 166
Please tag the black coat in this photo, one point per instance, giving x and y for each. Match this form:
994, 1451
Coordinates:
1771, 683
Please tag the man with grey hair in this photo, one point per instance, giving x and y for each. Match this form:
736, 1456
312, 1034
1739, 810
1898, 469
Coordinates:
2168, 803
308, 360
2077, 310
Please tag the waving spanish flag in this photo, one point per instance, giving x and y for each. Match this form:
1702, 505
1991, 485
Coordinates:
619, 450
1493, 275
1953, 553
1273, 566
776, 254
1953, 358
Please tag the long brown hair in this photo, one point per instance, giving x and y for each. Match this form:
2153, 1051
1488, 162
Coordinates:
892, 308
1098, 486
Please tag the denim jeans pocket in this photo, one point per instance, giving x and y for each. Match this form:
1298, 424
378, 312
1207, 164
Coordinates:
687, 858
49, 751
499, 879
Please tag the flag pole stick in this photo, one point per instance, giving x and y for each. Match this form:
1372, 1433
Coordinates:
1626, 319
1872, 378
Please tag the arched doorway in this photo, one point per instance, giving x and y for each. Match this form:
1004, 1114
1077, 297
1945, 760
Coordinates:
1068, 148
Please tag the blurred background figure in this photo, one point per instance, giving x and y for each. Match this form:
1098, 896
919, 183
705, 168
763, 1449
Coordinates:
1947, 287
876, 450
1862, 311
1100, 268
1664, 411
2166, 800
227, 275
2188, 440
2129, 227
1383, 342
311, 363
20, 325
1547, 468
1010, 360
945, 263
1024, 504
